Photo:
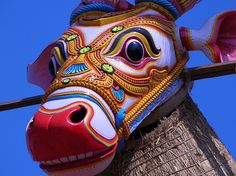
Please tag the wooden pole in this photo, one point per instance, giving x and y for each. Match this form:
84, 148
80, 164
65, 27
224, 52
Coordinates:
209, 71
189, 74
21, 103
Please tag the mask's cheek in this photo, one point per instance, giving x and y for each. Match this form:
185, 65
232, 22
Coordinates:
102, 126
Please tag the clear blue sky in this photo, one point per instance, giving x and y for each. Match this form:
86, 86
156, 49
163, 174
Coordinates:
27, 27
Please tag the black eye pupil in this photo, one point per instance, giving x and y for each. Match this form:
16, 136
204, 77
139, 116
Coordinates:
135, 51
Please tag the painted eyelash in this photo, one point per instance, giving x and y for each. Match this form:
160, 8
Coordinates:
142, 32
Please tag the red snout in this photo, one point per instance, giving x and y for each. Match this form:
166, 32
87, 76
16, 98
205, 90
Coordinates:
56, 135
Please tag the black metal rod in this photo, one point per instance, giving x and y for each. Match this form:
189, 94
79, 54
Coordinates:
21, 103
189, 74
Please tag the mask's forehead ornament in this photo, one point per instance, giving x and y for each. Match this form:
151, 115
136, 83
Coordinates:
172, 9
98, 7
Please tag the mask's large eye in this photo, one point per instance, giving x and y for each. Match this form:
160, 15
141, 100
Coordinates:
134, 46
53, 66
60, 52
59, 56
134, 50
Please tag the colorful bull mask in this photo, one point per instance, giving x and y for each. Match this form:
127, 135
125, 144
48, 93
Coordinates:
113, 66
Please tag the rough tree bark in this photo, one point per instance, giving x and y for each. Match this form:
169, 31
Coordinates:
181, 144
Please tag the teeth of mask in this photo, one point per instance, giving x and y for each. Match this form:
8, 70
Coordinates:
74, 158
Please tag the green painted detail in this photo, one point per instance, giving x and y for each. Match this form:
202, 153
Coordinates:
84, 49
117, 29
72, 37
66, 80
107, 68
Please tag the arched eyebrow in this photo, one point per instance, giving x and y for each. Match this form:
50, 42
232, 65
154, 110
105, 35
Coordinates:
141, 31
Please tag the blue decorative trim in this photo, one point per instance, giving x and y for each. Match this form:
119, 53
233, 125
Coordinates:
76, 68
171, 90
119, 94
88, 8
120, 117
164, 3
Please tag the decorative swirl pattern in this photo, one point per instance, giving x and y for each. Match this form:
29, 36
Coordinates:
148, 98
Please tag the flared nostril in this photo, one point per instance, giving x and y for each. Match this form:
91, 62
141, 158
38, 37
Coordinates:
78, 115
30, 123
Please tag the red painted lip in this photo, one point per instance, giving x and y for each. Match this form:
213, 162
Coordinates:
80, 163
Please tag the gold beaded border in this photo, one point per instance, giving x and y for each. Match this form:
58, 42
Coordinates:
151, 96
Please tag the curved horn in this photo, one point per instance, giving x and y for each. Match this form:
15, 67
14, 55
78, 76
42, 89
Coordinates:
217, 38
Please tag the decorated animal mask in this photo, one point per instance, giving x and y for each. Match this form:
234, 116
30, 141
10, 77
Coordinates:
112, 67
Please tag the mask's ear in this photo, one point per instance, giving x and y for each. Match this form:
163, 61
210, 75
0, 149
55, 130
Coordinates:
38, 73
217, 38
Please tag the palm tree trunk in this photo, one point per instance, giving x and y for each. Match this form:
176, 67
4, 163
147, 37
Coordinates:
181, 144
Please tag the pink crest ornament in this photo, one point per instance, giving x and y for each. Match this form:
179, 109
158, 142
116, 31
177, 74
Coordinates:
105, 75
